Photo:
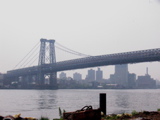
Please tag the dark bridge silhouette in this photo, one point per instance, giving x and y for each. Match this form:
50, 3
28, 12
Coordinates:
53, 67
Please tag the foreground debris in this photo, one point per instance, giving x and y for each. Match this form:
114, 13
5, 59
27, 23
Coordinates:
16, 117
92, 114
146, 115
86, 113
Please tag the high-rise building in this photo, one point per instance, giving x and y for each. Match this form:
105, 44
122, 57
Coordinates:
62, 75
121, 73
131, 80
120, 77
99, 74
1, 79
77, 76
91, 75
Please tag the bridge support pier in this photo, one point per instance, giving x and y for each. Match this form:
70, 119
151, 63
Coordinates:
47, 56
47, 81
26, 81
53, 80
41, 78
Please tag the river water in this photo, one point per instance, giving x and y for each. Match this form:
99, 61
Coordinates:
37, 103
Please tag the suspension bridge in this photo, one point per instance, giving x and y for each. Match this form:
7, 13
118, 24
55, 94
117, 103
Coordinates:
48, 67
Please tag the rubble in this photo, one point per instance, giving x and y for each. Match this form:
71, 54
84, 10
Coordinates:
16, 117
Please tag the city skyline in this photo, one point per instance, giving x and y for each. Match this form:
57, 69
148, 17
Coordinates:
69, 74
121, 78
104, 27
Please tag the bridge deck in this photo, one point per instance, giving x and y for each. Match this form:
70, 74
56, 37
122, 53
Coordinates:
101, 60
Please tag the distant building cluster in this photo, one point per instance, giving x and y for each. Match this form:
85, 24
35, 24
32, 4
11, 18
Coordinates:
124, 79
1, 80
120, 79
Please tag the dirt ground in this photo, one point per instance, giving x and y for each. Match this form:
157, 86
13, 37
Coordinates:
147, 116
154, 115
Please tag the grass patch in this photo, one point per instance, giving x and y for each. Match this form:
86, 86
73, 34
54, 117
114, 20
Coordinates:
134, 113
112, 117
44, 118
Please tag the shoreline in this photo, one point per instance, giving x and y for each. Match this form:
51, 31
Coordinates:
145, 115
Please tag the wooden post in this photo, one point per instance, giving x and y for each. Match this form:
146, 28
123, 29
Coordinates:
103, 102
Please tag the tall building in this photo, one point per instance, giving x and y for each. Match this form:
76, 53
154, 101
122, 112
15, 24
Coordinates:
120, 77
77, 76
121, 73
99, 74
1, 79
91, 75
62, 75
131, 80
145, 81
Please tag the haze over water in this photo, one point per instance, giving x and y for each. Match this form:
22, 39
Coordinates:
91, 27
37, 103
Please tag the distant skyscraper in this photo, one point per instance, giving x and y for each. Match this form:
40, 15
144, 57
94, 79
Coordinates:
131, 80
120, 76
91, 75
77, 76
121, 73
1, 79
62, 75
99, 74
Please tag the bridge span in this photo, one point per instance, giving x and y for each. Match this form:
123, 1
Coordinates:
48, 68
149, 55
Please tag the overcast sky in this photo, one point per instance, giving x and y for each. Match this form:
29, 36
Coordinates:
92, 27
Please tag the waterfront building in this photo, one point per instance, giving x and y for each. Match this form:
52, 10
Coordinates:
62, 75
77, 76
146, 81
131, 80
1, 79
112, 79
99, 75
91, 75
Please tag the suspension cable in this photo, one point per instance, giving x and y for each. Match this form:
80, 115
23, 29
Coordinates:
35, 47
71, 51
31, 59
30, 56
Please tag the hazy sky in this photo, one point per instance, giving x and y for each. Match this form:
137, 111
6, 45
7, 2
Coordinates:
92, 27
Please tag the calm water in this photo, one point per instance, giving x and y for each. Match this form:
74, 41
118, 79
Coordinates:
37, 103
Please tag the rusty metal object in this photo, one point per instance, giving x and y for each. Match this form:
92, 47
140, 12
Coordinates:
86, 113
16, 117
9, 117
1, 117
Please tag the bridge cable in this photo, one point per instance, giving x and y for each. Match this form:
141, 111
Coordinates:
26, 55
71, 51
68, 51
29, 57
32, 59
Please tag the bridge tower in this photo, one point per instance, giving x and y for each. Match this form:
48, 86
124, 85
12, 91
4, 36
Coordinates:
47, 56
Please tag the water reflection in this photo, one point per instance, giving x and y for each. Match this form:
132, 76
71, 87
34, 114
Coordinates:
47, 99
36, 103
122, 100
118, 101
